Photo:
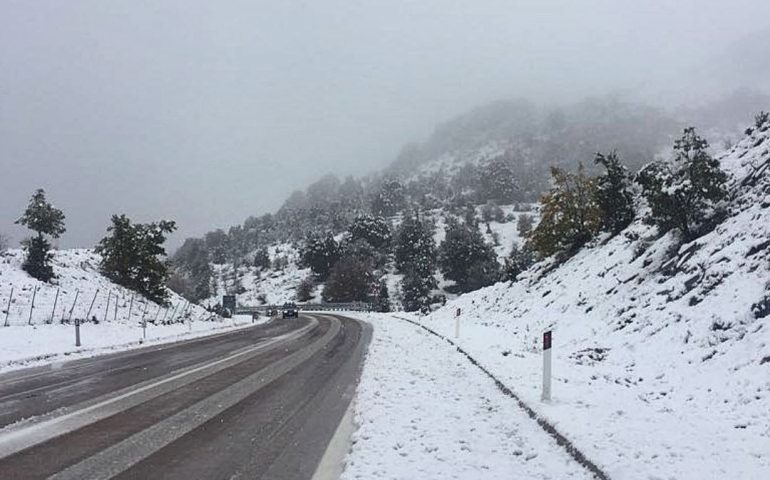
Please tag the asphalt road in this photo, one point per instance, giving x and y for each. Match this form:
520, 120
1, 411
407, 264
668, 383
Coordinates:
256, 403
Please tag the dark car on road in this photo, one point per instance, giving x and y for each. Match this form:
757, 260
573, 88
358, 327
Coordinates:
290, 310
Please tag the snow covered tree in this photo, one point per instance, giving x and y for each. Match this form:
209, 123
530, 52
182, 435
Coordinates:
45, 220
133, 256
371, 228
570, 215
613, 194
524, 224
519, 260
351, 279
416, 291
382, 299
320, 253
498, 182
683, 193
414, 245
389, 199
491, 212
262, 258
466, 258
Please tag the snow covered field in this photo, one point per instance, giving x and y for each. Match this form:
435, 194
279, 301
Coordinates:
424, 412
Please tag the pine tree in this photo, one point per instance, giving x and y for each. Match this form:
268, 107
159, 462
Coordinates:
371, 228
570, 215
382, 300
390, 198
351, 279
498, 182
305, 289
320, 253
262, 259
414, 246
466, 258
613, 194
133, 256
519, 260
683, 192
416, 291
45, 220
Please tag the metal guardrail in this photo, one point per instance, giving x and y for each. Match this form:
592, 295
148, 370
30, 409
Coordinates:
315, 307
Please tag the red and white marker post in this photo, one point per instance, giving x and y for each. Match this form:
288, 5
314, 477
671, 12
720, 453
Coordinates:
457, 323
546, 366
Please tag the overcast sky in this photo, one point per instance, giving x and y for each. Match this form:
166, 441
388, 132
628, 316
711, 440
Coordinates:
206, 112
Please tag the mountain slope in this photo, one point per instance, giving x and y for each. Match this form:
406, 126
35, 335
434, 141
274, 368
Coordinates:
661, 351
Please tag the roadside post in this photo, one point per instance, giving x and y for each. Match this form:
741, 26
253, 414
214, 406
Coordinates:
56, 299
547, 366
457, 322
77, 332
32, 307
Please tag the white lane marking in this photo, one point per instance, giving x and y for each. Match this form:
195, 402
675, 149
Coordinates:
14, 441
132, 450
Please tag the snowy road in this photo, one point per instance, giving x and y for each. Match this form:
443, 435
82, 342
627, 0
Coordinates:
261, 402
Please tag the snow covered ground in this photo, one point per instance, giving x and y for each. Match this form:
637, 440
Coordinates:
81, 292
661, 352
424, 412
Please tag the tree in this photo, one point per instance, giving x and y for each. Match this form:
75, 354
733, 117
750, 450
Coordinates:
133, 256
382, 299
320, 253
491, 212
519, 260
374, 229
613, 194
351, 279
498, 182
389, 199
45, 220
524, 224
570, 215
262, 258
305, 289
683, 192
414, 246
466, 258
416, 291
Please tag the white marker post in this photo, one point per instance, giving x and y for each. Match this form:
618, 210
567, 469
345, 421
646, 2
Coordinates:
547, 366
457, 323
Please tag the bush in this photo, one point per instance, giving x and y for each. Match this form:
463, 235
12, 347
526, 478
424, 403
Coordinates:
305, 289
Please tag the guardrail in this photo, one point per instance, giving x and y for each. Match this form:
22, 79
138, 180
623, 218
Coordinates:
315, 307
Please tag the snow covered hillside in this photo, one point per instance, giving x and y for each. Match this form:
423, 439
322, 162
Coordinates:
44, 328
661, 351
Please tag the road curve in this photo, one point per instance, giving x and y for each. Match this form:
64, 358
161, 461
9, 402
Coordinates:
261, 402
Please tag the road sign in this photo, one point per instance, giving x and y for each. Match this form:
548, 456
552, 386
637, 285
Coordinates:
228, 302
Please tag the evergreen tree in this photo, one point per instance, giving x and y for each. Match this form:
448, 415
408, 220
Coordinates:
133, 256
524, 225
684, 192
382, 300
371, 228
45, 220
498, 182
351, 279
389, 199
305, 289
320, 253
416, 291
262, 259
519, 260
414, 245
466, 258
570, 215
613, 194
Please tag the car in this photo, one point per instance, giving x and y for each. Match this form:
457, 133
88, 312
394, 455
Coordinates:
290, 310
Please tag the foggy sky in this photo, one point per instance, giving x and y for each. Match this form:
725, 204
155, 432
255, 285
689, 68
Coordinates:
206, 112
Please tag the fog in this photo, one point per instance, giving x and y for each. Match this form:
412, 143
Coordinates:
207, 112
